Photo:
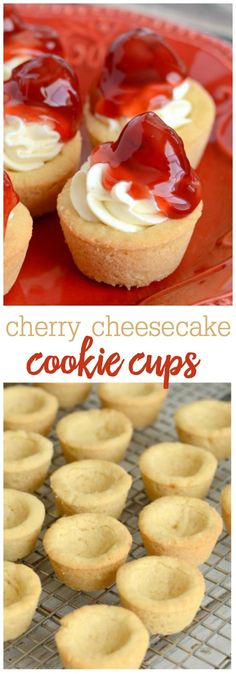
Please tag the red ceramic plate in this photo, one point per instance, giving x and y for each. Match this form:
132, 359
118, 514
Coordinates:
49, 275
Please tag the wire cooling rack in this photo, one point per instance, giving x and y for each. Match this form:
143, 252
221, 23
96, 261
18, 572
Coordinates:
206, 643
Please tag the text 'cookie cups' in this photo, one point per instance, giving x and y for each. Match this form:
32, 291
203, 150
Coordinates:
23, 519
86, 550
140, 402
94, 434
29, 408
142, 72
22, 589
180, 526
164, 592
129, 213
225, 501
42, 143
68, 395
206, 423
27, 457
90, 486
171, 468
101, 637
17, 234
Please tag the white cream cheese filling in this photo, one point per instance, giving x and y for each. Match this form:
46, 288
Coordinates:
115, 207
29, 145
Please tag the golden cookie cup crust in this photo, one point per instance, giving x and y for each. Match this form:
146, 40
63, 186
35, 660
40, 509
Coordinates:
90, 486
195, 135
101, 637
22, 589
29, 408
206, 423
118, 258
16, 241
225, 502
86, 550
164, 592
38, 189
27, 457
140, 402
68, 395
179, 526
94, 434
23, 519
172, 468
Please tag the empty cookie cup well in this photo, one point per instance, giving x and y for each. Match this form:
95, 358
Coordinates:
23, 519
180, 526
90, 486
225, 501
22, 589
164, 592
29, 408
171, 468
94, 434
206, 423
101, 637
68, 395
27, 457
140, 402
86, 550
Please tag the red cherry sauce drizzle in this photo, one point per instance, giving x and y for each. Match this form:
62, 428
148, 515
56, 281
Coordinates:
150, 155
12, 22
10, 198
139, 74
22, 39
45, 90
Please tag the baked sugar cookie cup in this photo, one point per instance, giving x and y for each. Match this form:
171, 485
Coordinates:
173, 468
23, 519
17, 234
206, 423
86, 550
22, 589
29, 408
68, 395
27, 457
164, 592
101, 637
90, 486
125, 221
225, 502
180, 526
94, 434
140, 73
42, 142
141, 403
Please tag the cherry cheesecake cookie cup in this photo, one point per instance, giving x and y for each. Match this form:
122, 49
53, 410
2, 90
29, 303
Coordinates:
129, 213
23, 41
42, 142
141, 73
17, 233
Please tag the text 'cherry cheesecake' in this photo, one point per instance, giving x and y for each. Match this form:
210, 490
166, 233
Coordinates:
24, 41
128, 214
141, 72
42, 142
17, 233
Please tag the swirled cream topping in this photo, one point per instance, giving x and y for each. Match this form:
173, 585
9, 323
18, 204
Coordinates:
176, 113
13, 63
115, 208
29, 145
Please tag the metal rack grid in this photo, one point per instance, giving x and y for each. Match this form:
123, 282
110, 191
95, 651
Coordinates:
206, 643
